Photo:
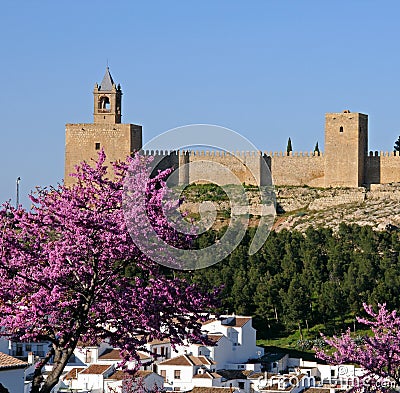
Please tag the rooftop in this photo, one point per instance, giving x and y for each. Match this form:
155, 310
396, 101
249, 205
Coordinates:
96, 369
187, 360
8, 362
211, 390
230, 320
73, 373
121, 375
107, 82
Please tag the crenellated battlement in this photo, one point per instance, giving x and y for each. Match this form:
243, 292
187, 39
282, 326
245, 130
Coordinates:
238, 154
345, 162
294, 154
384, 154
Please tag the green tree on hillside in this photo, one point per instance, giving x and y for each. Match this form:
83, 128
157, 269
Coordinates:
397, 145
289, 146
296, 302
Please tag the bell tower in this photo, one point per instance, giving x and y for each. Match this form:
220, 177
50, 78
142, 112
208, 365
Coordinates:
107, 101
83, 141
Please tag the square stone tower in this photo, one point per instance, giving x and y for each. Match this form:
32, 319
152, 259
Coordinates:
346, 147
83, 141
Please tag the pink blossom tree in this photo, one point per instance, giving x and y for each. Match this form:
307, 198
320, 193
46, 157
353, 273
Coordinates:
62, 268
378, 354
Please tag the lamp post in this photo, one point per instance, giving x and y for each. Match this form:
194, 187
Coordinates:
17, 203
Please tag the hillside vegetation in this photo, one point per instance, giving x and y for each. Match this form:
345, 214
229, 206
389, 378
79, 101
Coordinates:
316, 278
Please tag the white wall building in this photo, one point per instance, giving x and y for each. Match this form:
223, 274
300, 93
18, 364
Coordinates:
92, 378
180, 372
146, 379
12, 373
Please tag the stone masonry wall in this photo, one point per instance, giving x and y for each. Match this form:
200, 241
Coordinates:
249, 168
118, 141
382, 168
298, 169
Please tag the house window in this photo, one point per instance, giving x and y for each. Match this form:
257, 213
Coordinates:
177, 389
332, 373
19, 350
39, 350
341, 129
88, 357
241, 385
163, 373
162, 351
177, 374
28, 347
97, 145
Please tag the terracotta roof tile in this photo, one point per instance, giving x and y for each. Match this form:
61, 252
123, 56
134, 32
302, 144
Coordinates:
215, 337
187, 360
241, 321
114, 354
110, 354
316, 390
200, 360
236, 321
7, 361
156, 341
121, 375
211, 390
73, 373
143, 373
143, 355
178, 361
118, 375
96, 369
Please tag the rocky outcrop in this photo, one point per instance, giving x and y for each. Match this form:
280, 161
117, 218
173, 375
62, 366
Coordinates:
301, 207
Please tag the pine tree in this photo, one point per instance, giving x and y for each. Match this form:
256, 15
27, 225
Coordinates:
397, 145
289, 146
316, 149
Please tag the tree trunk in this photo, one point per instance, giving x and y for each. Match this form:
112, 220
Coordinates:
61, 356
301, 332
37, 375
276, 314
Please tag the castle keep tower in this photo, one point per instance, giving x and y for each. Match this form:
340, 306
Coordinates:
346, 148
83, 141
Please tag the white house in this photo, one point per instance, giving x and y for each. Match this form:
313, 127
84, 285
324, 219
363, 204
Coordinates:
23, 349
92, 378
70, 380
180, 372
12, 373
144, 378
235, 340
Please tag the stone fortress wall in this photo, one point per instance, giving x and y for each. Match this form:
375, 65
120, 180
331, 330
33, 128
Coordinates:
382, 167
345, 162
295, 169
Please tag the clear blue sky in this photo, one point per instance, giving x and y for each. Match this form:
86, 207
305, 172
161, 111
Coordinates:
267, 69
